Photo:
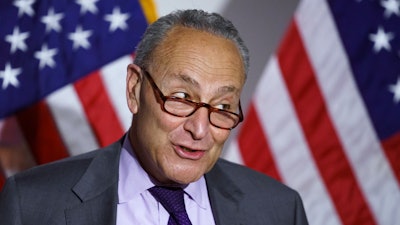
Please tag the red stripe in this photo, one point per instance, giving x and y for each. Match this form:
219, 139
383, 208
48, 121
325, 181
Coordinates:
253, 145
2, 180
41, 133
392, 150
321, 136
99, 110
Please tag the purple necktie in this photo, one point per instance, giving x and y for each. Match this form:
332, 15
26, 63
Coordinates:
172, 200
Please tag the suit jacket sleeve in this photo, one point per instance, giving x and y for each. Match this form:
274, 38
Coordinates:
79, 190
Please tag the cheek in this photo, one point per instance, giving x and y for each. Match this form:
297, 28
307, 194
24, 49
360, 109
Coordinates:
214, 153
150, 124
154, 119
219, 140
219, 136
157, 128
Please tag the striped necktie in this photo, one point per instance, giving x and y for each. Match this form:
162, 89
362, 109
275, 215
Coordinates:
172, 200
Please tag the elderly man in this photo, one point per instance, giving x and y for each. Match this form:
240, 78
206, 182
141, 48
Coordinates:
184, 93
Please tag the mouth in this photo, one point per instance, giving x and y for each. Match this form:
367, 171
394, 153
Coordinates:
188, 149
189, 153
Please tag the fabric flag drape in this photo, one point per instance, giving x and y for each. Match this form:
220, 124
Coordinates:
62, 76
325, 117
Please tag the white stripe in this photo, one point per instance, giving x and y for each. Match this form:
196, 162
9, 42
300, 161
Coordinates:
289, 147
71, 120
348, 112
232, 153
114, 77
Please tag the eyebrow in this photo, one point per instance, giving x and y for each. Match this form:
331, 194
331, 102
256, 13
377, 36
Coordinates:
196, 84
189, 80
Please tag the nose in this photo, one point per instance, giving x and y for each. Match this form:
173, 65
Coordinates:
198, 124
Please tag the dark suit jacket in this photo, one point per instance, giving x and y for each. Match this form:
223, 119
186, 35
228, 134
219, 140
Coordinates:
84, 190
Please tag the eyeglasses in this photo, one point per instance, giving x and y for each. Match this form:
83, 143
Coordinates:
181, 107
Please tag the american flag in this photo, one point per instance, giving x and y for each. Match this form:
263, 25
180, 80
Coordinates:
325, 117
62, 76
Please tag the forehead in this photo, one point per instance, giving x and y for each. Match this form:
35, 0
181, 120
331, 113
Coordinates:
200, 55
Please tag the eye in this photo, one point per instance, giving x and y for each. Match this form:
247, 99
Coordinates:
181, 95
224, 106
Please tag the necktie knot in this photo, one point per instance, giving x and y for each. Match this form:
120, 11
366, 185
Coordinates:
172, 200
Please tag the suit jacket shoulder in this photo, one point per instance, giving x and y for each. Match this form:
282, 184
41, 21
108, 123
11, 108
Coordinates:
64, 191
240, 195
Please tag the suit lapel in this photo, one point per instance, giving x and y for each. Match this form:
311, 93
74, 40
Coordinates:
224, 196
98, 190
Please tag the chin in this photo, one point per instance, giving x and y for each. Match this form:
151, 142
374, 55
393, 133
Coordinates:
184, 176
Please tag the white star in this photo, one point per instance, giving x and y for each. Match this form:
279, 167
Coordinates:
9, 76
395, 89
45, 57
80, 38
117, 19
17, 40
87, 5
391, 7
52, 20
25, 7
381, 40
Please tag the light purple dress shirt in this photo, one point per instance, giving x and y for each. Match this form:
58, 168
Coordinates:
137, 206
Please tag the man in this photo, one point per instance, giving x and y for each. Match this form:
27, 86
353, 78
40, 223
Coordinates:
183, 90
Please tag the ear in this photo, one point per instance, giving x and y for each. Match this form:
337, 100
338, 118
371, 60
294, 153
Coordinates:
133, 83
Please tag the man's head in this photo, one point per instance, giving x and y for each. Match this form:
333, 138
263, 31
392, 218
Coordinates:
189, 55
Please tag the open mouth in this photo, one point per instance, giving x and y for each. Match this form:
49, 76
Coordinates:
188, 153
188, 149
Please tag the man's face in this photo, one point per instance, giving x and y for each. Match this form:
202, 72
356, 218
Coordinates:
188, 64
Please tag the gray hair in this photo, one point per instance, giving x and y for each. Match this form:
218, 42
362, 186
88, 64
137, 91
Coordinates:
210, 22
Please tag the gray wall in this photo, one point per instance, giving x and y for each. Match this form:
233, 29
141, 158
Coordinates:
262, 25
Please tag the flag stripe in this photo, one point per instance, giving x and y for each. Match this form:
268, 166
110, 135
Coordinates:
40, 131
114, 80
254, 146
69, 115
319, 131
361, 145
2, 178
289, 147
99, 110
391, 147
